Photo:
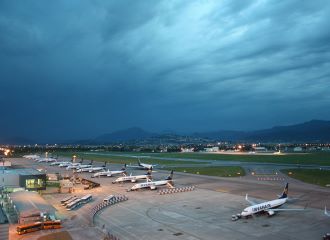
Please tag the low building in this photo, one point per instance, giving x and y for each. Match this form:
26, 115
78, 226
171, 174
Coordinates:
260, 149
4, 225
26, 178
297, 149
31, 210
212, 149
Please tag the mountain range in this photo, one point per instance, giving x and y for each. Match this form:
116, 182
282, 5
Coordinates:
312, 131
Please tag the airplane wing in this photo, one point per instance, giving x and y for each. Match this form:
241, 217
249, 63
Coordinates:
285, 209
250, 201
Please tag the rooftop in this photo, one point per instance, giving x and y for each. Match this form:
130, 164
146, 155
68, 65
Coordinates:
3, 217
26, 201
23, 171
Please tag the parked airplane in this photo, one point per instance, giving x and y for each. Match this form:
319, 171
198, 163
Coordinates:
270, 207
64, 164
109, 173
326, 212
153, 184
31, 156
57, 163
47, 159
94, 169
143, 166
133, 179
73, 166
84, 167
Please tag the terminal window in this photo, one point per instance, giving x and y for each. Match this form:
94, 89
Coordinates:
34, 183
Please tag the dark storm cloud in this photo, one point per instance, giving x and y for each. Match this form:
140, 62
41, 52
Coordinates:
73, 69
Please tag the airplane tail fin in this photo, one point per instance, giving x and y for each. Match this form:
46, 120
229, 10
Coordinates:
326, 212
124, 167
285, 191
170, 177
139, 161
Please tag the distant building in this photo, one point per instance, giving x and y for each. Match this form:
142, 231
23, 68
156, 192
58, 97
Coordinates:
260, 149
186, 150
297, 149
211, 149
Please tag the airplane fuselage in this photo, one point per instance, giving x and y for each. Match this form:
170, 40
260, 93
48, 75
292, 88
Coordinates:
131, 178
151, 185
265, 206
108, 173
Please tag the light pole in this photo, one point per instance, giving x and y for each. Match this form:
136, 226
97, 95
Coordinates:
73, 169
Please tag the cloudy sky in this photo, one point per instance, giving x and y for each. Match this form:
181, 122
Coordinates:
77, 69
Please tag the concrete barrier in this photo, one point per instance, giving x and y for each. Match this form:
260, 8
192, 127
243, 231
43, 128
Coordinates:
102, 205
270, 179
176, 190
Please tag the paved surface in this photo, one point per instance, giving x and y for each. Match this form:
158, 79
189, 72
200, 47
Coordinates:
201, 214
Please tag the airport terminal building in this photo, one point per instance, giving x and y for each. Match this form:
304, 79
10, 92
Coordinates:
29, 179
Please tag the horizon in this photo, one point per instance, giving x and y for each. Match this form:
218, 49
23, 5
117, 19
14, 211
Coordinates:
73, 70
159, 133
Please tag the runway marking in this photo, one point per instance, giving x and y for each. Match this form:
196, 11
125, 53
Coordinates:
222, 190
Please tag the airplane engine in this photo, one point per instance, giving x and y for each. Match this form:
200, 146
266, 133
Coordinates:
109, 175
270, 213
152, 187
133, 180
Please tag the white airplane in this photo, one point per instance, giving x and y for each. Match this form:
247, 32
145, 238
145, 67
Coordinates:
47, 159
56, 163
31, 156
133, 179
84, 167
270, 207
143, 166
326, 212
73, 166
64, 164
109, 173
153, 184
93, 169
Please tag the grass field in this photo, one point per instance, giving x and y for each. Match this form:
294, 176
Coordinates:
314, 176
228, 171
120, 159
320, 158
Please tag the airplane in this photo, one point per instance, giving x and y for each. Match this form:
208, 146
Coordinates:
57, 163
47, 159
270, 207
109, 173
326, 212
143, 166
94, 169
73, 166
133, 179
31, 156
64, 164
84, 167
153, 184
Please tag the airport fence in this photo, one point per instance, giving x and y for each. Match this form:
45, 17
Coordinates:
176, 190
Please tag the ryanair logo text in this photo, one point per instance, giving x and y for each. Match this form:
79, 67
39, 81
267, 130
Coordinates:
262, 207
